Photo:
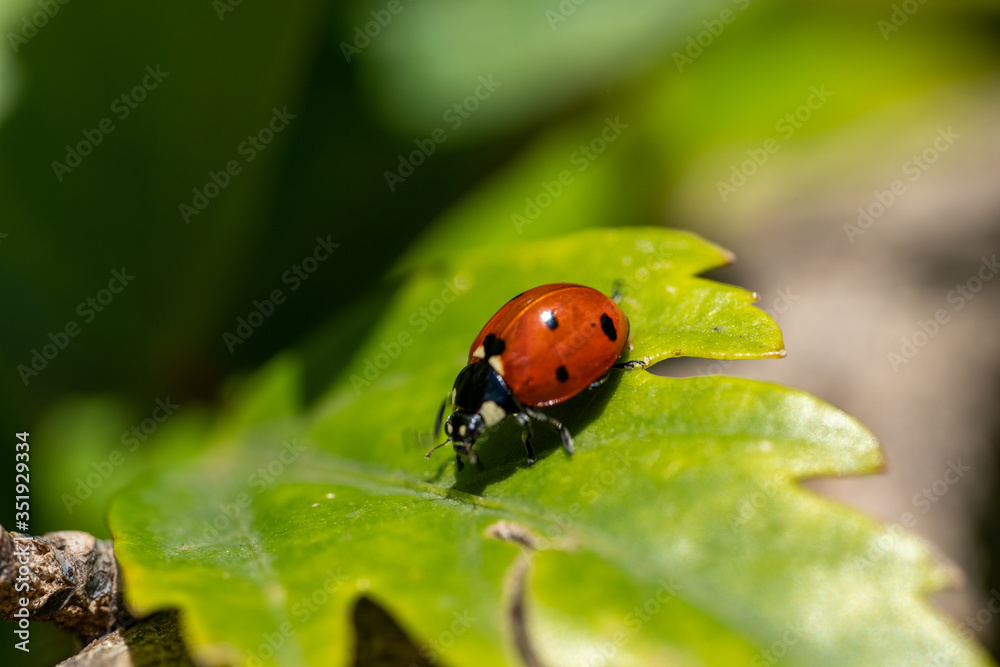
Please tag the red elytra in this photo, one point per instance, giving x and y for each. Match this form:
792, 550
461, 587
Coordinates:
557, 339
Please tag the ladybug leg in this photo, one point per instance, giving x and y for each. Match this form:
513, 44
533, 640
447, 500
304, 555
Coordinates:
626, 366
458, 462
567, 439
599, 381
440, 418
525, 422
630, 365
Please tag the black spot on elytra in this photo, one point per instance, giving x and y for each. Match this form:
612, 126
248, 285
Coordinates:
493, 345
608, 327
562, 374
549, 318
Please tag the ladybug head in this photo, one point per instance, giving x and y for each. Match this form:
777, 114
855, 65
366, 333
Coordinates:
477, 401
463, 429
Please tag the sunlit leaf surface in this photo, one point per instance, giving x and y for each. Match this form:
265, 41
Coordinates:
676, 534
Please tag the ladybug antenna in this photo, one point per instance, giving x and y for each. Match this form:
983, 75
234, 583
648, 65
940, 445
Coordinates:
428, 454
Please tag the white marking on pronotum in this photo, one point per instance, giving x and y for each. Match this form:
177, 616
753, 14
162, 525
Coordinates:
492, 413
497, 363
480, 353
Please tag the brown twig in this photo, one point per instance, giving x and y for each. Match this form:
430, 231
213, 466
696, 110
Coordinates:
68, 578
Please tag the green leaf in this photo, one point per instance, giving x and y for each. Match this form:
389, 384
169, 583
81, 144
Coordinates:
676, 534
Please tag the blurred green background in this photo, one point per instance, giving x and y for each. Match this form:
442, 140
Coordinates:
218, 152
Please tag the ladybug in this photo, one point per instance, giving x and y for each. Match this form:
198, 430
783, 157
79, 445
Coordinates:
541, 348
